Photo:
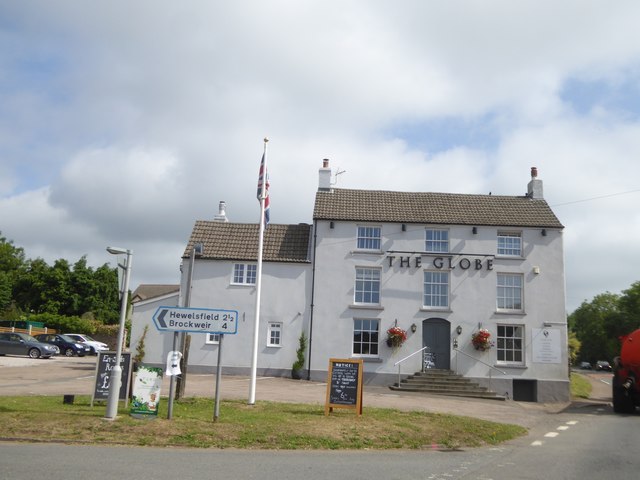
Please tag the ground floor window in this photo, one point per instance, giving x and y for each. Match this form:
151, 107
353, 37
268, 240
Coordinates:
274, 336
510, 341
365, 336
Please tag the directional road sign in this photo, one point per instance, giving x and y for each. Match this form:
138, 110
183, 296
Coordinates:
196, 320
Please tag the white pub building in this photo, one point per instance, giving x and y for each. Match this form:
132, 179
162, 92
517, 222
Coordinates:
440, 266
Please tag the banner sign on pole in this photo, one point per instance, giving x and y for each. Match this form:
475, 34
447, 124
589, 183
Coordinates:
146, 392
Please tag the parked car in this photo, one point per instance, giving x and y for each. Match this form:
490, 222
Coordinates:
12, 343
67, 345
603, 365
585, 366
94, 345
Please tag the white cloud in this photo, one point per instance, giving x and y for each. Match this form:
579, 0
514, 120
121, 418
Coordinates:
125, 122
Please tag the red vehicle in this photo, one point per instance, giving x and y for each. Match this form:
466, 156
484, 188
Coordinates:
626, 374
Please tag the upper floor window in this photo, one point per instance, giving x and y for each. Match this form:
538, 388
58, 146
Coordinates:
509, 294
274, 334
367, 289
437, 240
510, 244
365, 336
244, 274
436, 289
369, 238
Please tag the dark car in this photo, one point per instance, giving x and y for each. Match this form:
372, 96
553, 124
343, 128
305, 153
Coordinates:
603, 365
67, 345
12, 343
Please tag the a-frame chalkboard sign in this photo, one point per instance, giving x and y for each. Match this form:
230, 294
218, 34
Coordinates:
344, 385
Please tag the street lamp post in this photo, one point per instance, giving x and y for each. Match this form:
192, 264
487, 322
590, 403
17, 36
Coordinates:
116, 372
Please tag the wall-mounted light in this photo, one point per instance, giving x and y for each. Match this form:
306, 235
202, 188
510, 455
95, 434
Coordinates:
536, 270
474, 230
544, 232
331, 225
459, 329
414, 327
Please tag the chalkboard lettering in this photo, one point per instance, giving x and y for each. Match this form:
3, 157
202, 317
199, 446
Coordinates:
104, 366
344, 385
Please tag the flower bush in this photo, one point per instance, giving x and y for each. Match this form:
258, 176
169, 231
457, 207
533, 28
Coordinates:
481, 339
396, 336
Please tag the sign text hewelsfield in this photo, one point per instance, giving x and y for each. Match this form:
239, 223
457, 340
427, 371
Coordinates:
196, 320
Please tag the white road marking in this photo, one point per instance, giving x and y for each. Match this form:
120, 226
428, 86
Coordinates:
562, 427
572, 422
551, 434
537, 443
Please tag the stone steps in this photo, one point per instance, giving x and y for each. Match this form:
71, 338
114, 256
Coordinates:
444, 382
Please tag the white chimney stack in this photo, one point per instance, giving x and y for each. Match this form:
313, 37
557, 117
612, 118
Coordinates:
222, 212
324, 174
534, 189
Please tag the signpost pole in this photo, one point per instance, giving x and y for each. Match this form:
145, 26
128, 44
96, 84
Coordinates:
172, 384
216, 411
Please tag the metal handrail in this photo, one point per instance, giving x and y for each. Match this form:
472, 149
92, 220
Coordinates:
478, 360
409, 356
484, 363
406, 358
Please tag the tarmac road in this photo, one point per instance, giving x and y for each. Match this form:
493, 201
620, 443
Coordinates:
76, 376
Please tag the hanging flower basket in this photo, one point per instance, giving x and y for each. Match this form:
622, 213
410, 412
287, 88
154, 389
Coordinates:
396, 337
481, 340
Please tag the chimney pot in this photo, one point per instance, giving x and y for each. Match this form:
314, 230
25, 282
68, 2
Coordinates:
325, 163
534, 172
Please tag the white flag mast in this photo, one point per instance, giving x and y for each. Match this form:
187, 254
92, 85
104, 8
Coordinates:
262, 195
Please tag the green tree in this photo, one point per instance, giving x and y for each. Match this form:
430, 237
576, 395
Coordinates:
596, 325
11, 261
630, 309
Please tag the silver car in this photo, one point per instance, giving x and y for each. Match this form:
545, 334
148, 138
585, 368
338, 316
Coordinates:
12, 343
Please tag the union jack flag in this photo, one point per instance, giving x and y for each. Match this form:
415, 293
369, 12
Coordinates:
263, 179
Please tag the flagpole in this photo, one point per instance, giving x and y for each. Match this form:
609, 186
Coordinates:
256, 331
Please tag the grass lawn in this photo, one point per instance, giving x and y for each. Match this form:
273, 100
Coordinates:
580, 386
265, 425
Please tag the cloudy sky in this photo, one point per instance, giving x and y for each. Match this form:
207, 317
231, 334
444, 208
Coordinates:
123, 122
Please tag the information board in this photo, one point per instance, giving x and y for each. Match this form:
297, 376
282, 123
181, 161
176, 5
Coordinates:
104, 365
344, 385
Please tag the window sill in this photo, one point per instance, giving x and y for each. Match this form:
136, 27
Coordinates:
509, 257
274, 346
433, 309
368, 359
510, 312
366, 307
509, 365
366, 252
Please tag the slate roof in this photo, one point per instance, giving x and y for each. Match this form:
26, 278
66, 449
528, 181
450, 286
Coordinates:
433, 208
239, 241
146, 291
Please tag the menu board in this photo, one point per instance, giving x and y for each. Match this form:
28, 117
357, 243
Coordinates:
344, 385
104, 365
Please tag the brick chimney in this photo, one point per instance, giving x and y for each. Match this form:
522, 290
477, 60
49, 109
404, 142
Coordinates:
324, 175
534, 188
222, 212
